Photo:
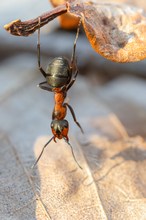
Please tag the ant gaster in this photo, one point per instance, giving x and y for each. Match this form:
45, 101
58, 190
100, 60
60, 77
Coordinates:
60, 75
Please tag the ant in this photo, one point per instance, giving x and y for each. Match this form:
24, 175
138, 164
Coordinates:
60, 75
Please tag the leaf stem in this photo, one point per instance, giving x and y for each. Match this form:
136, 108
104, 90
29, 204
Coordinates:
25, 28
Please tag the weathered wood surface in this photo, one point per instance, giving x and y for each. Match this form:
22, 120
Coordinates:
112, 184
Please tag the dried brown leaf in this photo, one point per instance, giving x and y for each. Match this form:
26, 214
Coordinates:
115, 31
67, 21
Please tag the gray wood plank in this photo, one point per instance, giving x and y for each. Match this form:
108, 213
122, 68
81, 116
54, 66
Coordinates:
16, 195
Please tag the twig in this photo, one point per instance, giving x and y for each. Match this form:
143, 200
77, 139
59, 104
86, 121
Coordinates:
20, 28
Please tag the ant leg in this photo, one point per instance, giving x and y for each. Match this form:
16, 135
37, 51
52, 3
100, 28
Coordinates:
42, 152
38, 50
73, 60
74, 46
74, 117
72, 81
73, 153
45, 87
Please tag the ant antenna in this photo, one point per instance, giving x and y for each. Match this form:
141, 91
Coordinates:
41, 153
73, 153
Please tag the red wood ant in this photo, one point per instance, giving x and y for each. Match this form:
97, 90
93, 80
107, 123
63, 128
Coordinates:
60, 75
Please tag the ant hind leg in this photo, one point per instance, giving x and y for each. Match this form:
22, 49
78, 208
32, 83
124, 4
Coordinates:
73, 60
38, 50
72, 81
73, 65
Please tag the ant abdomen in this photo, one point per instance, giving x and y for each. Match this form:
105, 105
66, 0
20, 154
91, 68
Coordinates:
58, 72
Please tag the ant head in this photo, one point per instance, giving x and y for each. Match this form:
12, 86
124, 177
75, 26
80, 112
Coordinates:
60, 128
58, 72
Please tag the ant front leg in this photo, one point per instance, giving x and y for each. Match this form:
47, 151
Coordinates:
74, 117
38, 50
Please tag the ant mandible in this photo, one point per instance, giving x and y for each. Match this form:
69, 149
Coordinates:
60, 76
